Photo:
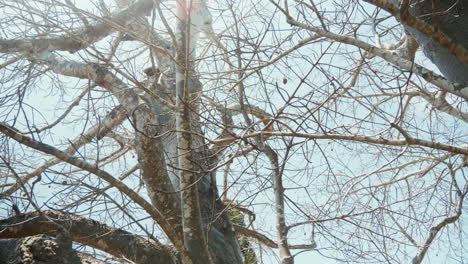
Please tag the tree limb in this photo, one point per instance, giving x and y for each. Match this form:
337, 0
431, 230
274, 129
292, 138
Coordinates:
423, 27
112, 120
365, 139
151, 210
116, 242
265, 240
429, 76
82, 38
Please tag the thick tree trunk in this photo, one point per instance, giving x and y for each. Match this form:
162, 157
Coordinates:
116, 242
41, 249
451, 18
190, 213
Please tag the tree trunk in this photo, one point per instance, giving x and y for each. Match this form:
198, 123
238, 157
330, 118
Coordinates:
41, 249
451, 18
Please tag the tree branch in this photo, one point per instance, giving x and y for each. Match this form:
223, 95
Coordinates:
41, 249
265, 240
429, 76
112, 120
428, 30
149, 143
81, 39
370, 140
116, 242
151, 210
436, 228
194, 234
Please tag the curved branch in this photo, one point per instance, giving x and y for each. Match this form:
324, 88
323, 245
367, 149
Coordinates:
116, 242
441, 104
145, 121
428, 30
82, 38
265, 240
429, 76
43, 248
435, 229
65, 113
371, 140
112, 120
151, 210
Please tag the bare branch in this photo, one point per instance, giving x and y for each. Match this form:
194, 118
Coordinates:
87, 232
436, 79
425, 28
82, 38
267, 241
357, 138
115, 118
437, 227
10, 132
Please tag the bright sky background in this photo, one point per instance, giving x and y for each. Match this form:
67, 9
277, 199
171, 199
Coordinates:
305, 257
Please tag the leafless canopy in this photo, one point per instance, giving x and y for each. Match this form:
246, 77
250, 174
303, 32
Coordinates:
233, 131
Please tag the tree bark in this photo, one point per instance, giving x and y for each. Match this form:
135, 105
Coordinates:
85, 231
451, 18
41, 249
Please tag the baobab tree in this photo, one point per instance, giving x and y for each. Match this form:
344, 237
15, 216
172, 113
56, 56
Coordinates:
200, 131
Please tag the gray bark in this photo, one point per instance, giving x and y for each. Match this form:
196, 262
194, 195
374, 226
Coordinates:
82, 39
41, 250
152, 113
451, 18
116, 242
